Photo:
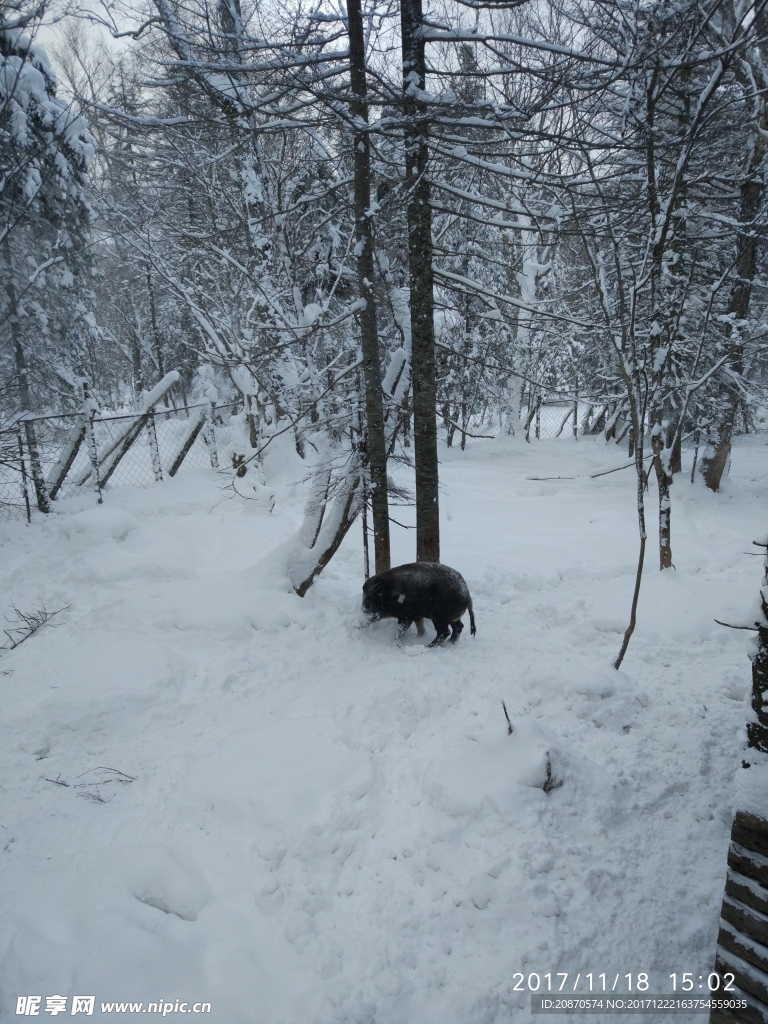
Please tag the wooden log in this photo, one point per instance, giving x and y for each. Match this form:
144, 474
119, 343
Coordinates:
746, 921
185, 448
565, 420
123, 448
65, 460
744, 862
750, 832
742, 942
738, 957
750, 893
754, 1012
747, 978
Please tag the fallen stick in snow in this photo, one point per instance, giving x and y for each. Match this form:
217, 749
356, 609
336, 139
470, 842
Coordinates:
510, 730
589, 476
30, 623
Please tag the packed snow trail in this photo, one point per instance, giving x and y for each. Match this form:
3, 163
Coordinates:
214, 790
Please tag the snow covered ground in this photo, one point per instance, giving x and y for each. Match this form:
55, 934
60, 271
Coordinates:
212, 790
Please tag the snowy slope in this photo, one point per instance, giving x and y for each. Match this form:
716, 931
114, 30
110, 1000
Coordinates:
216, 791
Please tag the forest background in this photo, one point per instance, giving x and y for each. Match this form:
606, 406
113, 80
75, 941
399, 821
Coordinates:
362, 223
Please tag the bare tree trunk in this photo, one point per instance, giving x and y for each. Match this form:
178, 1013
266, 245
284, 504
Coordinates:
450, 429
640, 491
136, 366
421, 285
664, 482
22, 383
157, 341
374, 404
675, 445
715, 458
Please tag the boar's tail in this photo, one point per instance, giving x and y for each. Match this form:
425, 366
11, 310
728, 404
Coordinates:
473, 628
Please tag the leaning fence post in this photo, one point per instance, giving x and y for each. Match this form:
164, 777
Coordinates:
24, 485
41, 492
89, 412
154, 448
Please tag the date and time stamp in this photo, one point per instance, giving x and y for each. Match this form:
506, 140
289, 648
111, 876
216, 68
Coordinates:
640, 992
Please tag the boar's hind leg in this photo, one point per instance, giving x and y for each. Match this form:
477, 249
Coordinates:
420, 627
456, 628
443, 632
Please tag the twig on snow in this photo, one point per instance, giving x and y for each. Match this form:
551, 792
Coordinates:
30, 622
729, 626
510, 730
58, 781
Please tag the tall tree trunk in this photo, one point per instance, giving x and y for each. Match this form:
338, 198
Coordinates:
374, 403
715, 459
157, 341
664, 481
421, 284
660, 304
136, 365
22, 382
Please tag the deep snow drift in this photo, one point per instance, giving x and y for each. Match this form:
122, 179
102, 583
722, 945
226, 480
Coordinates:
213, 790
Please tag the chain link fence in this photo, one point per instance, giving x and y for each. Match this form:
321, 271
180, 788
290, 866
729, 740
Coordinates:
54, 457
50, 458
571, 416
544, 420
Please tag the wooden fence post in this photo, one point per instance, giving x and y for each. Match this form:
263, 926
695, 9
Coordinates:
209, 436
154, 447
41, 492
89, 411
24, 485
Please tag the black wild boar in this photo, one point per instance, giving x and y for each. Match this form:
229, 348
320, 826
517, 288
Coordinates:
417, 591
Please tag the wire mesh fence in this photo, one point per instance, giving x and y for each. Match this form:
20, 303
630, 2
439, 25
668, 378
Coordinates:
13, 504
50, 458
47, 459
544, 420
570, 416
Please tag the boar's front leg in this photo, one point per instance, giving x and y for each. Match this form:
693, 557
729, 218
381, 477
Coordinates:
403, 625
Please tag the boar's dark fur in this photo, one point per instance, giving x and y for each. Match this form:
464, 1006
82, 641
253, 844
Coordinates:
417, 591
